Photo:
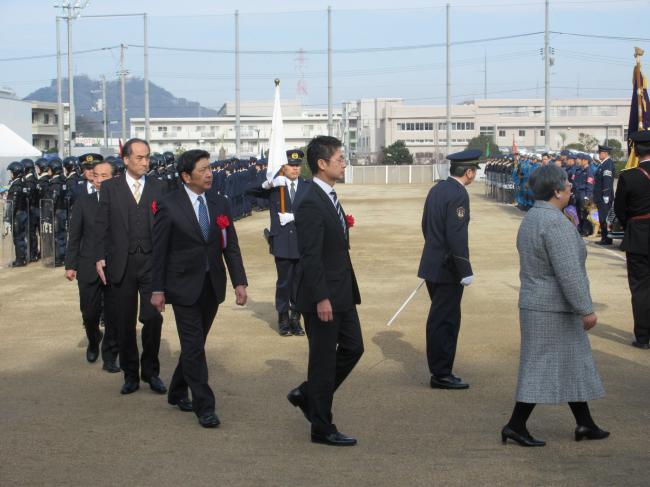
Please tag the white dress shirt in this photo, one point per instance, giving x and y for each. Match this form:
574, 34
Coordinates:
130, 181
89, 187
194, 198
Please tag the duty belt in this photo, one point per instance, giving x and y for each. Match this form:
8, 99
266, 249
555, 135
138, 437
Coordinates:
645, 216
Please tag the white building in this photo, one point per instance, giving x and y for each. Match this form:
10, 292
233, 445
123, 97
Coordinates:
45, 125
383, 121
216, 133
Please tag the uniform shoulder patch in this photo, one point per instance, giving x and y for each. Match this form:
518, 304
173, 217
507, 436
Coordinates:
460, 212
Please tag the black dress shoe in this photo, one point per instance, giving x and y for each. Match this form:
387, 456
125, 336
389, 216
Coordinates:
642, 346
130, 386
604, 242
298, 400
111, 367
524, 440
294, 324
584, 432
18, 263
92, 352
284, 328
156, 384
209, 420
334, 439
184, 404
447, 382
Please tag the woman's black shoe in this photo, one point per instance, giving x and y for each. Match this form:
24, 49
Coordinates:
584, 432
524, 440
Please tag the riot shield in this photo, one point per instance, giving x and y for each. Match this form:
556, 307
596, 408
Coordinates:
47, 233
7, 251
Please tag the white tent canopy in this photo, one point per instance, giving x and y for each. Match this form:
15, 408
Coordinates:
13, 148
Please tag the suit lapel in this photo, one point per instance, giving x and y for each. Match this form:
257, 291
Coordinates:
213, 213
123, 194
186, 207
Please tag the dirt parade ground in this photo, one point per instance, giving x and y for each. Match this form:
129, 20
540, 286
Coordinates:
63, 421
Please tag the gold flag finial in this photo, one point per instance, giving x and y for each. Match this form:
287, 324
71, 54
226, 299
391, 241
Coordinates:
638, 52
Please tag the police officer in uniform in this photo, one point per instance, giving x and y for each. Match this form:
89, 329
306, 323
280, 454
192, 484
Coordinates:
16, 219
31, 183
58, 193
604, 190
85, 184
283, 240
632, 208
445, 265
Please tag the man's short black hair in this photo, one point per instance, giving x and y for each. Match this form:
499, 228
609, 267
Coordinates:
187, 162
127, 149
642, 150
321, 147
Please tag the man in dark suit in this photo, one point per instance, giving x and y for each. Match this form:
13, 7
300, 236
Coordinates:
327, 292
283, 239
123, 259
80, 265
632, 208
445, 265
193, 235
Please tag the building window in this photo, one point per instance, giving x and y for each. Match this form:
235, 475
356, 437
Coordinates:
542, 133
46, 118
200, 128
34, 118
502, 133
178, 128
56, 119
522, 133
486, 130
162, 129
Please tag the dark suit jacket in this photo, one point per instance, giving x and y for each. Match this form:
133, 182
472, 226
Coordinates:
445, 257
633, 199
112, 222
80, 251
78, 190
180, 253
326, 269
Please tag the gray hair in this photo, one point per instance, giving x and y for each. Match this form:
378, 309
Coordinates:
546, 180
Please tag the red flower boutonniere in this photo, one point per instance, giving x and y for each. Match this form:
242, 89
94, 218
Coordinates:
223, 222
154, 207
350, 220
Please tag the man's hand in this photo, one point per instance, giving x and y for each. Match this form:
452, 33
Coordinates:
324, 310
589, 321
240, 295
285, 218
466, 281
606, 199
70, 274
100, 270
158, 301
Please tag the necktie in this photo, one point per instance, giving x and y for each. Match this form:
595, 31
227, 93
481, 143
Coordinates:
339, 210
292, 191
204, 222
93, 190
136, 191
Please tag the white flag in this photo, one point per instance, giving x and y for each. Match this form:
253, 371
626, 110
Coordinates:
277, 151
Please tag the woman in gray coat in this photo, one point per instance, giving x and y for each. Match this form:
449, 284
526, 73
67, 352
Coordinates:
555, 313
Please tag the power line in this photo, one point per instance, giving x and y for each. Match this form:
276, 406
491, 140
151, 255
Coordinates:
43, 56
599, 36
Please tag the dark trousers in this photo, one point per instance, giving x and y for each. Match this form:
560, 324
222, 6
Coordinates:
443, 325
19, 231
603, 210
60, 234
334, 349
110, 343
193, 324
285, 286
34, 225
91, 303
638, 277
137, 280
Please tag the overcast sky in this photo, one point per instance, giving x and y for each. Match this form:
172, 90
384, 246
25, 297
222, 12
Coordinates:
583, 66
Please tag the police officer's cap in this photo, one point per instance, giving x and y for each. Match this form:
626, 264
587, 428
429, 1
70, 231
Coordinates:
604, 148
294, 157
90, 159
587, 157
641, 137
465, 158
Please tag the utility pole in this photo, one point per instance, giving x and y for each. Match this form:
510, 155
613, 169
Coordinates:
73, 125
448, 81
330, 124
547, 75
237, 90
123, 90
147, 129
59, 97
104, 111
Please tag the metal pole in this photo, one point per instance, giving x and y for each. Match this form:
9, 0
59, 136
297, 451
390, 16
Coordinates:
73, 125
105, 110
59, 97
448, 79
123, 90
330, 124
237, 90
147, 133
547, 75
